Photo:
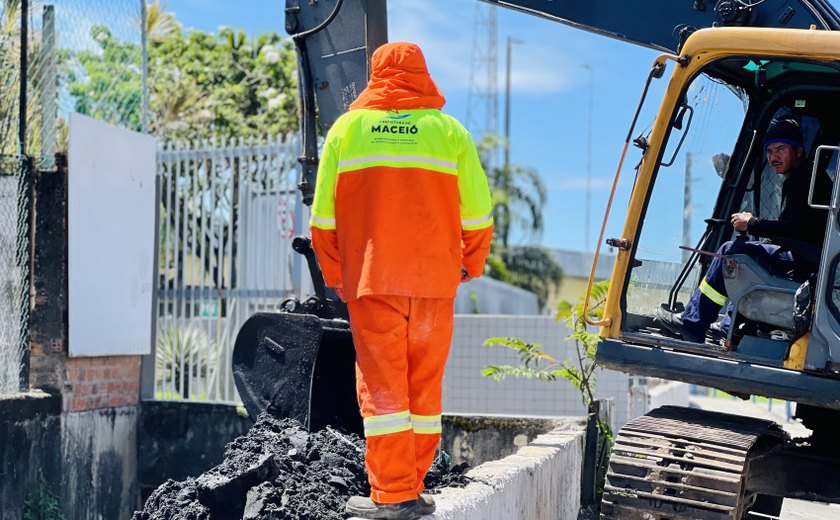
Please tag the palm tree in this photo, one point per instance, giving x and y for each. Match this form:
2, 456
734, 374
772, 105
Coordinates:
159, 22
518, 195
9, 74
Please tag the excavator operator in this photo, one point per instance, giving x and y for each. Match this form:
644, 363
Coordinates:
784, 147
401, 216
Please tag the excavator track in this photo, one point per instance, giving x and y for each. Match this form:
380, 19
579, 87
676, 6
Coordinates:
684, 464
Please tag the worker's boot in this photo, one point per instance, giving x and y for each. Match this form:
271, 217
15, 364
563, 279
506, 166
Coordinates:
364, 507
672, 323
425, 504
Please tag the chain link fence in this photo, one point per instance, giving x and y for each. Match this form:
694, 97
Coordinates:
81, 56
56, 57
14, 269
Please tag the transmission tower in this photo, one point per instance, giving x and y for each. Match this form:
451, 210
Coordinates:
482, 97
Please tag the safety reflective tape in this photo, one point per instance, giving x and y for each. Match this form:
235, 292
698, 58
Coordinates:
477, 222
429, 424
711, 293
322, 222
398, 159
388, 423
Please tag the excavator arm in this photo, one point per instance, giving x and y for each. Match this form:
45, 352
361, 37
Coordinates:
335, 38
665, 24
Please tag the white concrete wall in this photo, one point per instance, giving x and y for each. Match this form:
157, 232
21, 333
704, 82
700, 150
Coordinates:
465, 390
540, 482
672, 392
488, 296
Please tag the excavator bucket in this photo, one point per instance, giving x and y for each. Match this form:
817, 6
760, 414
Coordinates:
299, 363
298, 366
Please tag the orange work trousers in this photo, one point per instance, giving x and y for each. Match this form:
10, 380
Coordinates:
402, 344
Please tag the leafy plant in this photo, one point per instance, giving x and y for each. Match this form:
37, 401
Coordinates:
537, 364
184, 355
42, 504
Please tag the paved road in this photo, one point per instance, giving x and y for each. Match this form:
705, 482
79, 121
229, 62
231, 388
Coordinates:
791, 509
800, 510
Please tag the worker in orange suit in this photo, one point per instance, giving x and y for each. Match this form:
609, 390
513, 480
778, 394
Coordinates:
401, 215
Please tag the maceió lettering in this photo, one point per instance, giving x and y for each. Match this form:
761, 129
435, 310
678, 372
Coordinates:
393, 129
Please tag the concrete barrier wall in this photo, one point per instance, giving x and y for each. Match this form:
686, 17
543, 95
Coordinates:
30, 450
178, 440
488, 296
541, 481
99, 471
83, 463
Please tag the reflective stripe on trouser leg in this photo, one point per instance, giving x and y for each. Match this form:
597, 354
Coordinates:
710, 293
705, 302
429, 338
380, 333
429, 424
388, 423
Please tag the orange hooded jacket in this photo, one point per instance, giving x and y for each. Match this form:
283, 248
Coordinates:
401, 201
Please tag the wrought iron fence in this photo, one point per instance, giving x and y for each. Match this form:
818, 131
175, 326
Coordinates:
228, 213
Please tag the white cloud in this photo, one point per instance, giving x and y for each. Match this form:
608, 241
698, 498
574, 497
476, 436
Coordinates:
444, 30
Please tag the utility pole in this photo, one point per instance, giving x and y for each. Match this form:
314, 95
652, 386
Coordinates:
588, 200
686, 230
24, 75
49, 97
510, 42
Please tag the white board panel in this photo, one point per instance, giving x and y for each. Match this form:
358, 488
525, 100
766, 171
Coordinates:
111, 239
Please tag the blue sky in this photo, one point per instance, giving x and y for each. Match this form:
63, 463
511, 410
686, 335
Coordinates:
550, 89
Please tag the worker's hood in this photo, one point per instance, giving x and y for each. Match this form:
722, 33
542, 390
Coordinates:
399, 80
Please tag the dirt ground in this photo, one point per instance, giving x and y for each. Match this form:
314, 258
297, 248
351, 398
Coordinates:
279, 471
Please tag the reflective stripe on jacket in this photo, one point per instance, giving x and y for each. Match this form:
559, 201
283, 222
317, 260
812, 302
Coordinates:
401, 204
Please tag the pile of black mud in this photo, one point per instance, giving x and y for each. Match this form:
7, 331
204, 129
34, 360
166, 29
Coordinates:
279, 471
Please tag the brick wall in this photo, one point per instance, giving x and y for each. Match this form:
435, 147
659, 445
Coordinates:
87, 383
103, 382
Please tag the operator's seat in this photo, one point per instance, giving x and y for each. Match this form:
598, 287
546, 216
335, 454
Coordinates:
762, 296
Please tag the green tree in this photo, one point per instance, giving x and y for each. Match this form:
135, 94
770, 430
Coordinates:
159, 22
580, 373
106, 85
201, 85
518, 195
533, 268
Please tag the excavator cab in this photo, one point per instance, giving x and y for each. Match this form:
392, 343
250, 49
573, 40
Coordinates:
707, 145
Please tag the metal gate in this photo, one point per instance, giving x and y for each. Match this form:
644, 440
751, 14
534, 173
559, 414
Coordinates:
227, 217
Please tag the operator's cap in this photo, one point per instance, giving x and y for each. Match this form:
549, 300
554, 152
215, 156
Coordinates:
784, 131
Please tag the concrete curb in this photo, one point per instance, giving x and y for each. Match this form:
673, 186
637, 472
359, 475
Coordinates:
541, 481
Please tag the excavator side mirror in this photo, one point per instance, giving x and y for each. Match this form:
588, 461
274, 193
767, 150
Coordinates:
678, 121
721, 163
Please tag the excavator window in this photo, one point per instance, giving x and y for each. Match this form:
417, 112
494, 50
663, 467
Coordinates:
720, 169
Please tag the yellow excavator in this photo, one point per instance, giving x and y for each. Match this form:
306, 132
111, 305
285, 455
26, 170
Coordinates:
735, 66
